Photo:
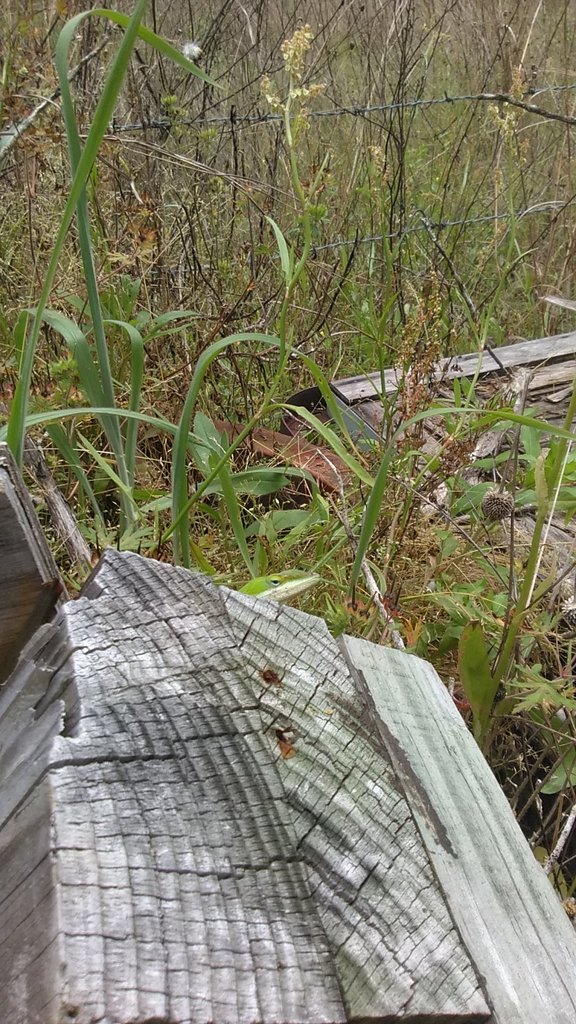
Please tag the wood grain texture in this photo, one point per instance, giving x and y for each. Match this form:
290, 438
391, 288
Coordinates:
395, 949
203, 819
520, 939
176, 895
30, 585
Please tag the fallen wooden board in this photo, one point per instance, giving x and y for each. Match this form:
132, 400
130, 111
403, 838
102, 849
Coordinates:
524, 353
212, 811
30, 584
496, 892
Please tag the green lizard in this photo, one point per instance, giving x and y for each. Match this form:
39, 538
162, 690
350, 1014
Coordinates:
281, 586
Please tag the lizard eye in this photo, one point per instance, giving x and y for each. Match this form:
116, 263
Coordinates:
275, 581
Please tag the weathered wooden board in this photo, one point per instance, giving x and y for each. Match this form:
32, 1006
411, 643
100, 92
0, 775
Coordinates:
524, 353
499, 897
30, 585
211, 811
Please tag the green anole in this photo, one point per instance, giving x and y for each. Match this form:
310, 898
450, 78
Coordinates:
282, 586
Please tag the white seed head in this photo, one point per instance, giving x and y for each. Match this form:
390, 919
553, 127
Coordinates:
569, 614
191, 50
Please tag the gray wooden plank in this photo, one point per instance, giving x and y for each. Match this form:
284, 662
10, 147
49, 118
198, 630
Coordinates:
512, 922
396, 951
197, 873
177, 893
30, 584
212, 811
522, 353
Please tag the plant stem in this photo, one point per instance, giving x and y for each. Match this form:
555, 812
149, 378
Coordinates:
504, 660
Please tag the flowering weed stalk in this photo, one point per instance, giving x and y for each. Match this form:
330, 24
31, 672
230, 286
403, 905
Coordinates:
294, 51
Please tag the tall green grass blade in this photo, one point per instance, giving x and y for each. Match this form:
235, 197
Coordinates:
36, 419
107, 469
167, 323
160, 44
136, 380
100, 123
234, 515
20, 332
327, 394
371, 515
334, 442
84, 163
286, 261
180, 500
79, 346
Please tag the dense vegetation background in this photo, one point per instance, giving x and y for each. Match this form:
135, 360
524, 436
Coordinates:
347, 187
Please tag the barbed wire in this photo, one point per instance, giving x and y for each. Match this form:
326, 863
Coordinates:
235, 120
427, 225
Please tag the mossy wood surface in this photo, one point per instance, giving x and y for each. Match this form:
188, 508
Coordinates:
212, 811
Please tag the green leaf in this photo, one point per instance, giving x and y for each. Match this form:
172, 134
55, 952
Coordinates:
476, 677
159, 44
55, 415
168, 323
257, 482
20, 332
207, 441
59, 437
107, 469
285, 257
332, 439
181, 503
530, 442
136, 379
564, 773
234, 514
77, 342
281, 521
82, 161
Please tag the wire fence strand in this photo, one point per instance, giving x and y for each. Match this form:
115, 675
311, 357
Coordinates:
551, 206
235, 120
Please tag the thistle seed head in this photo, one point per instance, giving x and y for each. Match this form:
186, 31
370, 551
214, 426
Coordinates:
497, 505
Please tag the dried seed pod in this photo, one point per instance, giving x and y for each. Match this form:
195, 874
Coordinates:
497, 505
